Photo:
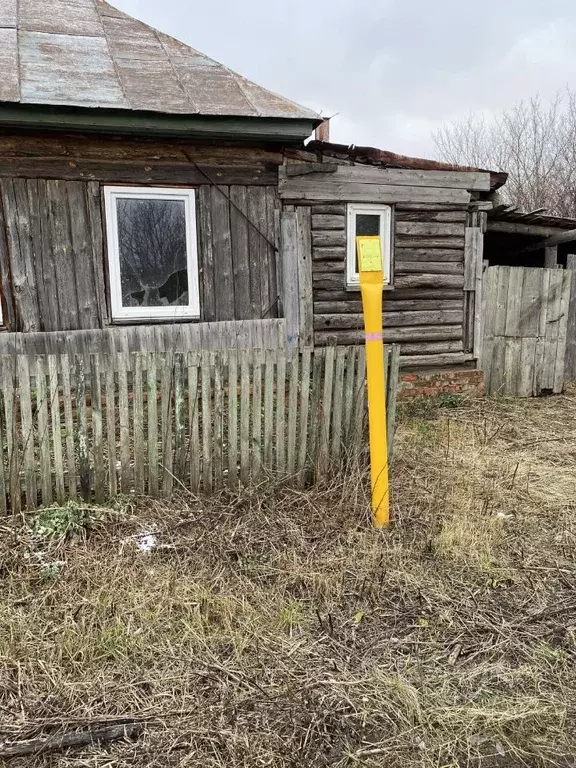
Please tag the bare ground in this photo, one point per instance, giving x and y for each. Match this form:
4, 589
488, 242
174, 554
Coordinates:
277, 628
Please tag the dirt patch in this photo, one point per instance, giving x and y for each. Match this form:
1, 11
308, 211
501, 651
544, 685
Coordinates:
276, 628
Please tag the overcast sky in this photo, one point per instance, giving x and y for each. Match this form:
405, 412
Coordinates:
393, 70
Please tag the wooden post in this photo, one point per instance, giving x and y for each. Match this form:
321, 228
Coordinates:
291, 294
551, 257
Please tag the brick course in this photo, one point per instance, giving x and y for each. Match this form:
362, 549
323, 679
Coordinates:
468, 383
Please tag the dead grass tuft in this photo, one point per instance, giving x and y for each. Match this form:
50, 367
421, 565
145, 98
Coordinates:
276, 628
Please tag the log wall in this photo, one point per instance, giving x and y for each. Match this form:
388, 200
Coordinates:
424, 310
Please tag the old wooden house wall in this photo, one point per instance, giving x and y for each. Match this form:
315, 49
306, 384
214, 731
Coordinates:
52, 238
431, 309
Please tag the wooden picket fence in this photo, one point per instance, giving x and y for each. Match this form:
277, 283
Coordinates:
94, 426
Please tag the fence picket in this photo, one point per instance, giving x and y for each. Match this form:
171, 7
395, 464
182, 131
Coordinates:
152, 424
193, 406
56, 424
111, 425
9, 390
139, 437
269, 366
244, 416
166, 397
69, 424
27, 431
206, 372
281, 415
338, 403
179, 419
256, 446
233, 418
81, 433
218, 422
292, 414
97, 438
43, 433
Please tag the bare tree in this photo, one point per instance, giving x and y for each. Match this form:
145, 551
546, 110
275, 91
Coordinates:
533, 141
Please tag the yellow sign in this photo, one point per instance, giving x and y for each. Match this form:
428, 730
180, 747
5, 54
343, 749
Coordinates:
369, 254
371, 283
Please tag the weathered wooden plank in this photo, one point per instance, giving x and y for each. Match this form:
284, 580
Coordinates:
56, 425
124, 424
328, 239
430, 243
348, 395
304, 252
43, 434
245, 403
232, 419
525, 377
411, 334
329, 254
392, 383
99, 473
82, 255
269, 369
359, 410
243, 306
5, 476
21, 274
435, 361
305, 188
512, 326
354, 174
218, 436
326, 411
304, 409
294, 383
336, 442
9, 390
180, 447
328, 221
428, 268
222, 244
429, 229
63, 254
206, 274
281, 414
94, 207
327, 281
152, 414
81, 432
392, 319
433, 347
428, 254
257, 444
570, 368
193, 420
138, 428
406, 213
291, 294
207, 443
390, 297
272, 275
142, 171
65, 369
565, 287
354, 305
45, 297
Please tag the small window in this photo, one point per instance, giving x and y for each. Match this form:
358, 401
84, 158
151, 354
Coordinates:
374, 220
152, 252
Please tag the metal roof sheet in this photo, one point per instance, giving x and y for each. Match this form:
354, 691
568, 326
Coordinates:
86, 53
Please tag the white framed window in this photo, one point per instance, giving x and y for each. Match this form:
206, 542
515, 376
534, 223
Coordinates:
368, 219
152, 253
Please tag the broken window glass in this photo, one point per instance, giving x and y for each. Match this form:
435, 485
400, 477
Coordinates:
153, 252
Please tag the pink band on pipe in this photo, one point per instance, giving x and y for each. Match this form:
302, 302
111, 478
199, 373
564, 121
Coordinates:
373, 337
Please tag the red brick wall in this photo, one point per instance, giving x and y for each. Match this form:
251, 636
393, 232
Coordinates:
467, 383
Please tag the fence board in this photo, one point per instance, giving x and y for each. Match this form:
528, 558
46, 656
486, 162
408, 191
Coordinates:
290, 414
570, 363
526, 326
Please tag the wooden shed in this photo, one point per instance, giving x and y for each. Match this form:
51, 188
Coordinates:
151, 198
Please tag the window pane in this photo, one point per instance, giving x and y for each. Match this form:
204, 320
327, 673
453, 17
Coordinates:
152, 242
367, 225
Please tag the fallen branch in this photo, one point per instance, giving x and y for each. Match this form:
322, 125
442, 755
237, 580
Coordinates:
70, 739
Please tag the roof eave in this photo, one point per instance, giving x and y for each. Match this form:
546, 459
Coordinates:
97, 120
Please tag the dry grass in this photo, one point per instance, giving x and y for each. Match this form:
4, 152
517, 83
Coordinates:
278, 629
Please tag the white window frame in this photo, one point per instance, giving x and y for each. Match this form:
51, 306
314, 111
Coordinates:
119, 312
385, 213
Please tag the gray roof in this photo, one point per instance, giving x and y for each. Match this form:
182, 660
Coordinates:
86, 53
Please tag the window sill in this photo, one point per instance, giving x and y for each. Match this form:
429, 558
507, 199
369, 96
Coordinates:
355, 287
154, 320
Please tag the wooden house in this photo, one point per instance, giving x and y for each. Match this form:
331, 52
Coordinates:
153, 199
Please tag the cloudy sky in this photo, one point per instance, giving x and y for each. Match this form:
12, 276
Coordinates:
392, 70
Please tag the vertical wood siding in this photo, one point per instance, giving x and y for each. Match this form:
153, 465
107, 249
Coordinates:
53, 261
